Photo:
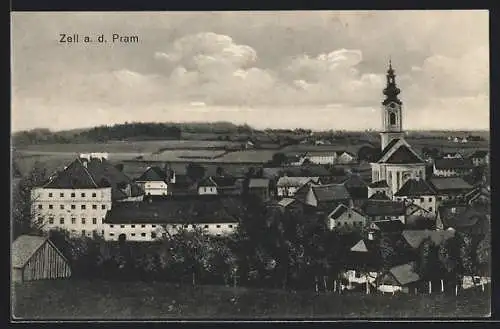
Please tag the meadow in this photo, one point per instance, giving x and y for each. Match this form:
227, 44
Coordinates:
74, 299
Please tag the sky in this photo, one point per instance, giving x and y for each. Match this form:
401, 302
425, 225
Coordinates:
320, 70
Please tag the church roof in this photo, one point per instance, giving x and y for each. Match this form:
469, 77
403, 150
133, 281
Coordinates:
403, 155
379, 184
389, 147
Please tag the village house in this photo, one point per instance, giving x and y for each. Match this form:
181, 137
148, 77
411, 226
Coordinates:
154, 181
414, 238
357, 188
400, 278
462, 218
328, 157
452, 167
378, 187
449, 188
480, 158
220, 185
344, 217
288, 186
419, 192
377, 210
37, 258
148, 221
324, 198
77, 198
259, 187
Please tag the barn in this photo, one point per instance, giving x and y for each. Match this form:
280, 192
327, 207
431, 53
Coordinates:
37, 258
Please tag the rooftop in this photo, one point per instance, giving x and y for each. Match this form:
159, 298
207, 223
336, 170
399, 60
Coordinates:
416, 237
455, 163
187, 210
154, 173
330, 192
388, 225
258, 183
85, 173
404, 274
379, 196
449, 184
24, 247
340, 210
379, 184
384, 208
295, 181
415, 187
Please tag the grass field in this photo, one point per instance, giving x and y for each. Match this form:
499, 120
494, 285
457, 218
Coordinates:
72, 299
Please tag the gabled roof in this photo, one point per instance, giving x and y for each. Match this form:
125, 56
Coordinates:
295, 181
340, 210
364, 246
185, 210
153, 174
415, 187
330, 192
441, 184
258, 183
384, 208
379, 196
225, 181
207, 182
356, 186
463, 218
455, 163
94, 173
24, 247
398, 151
415, 237
379, 184
404, 274
389, 225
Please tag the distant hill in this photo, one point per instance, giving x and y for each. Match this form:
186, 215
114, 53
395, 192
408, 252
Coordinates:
126, 131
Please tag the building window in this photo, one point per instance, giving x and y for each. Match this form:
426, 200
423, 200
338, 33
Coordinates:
174, 226
206, 226
94, 221
230, 226
193, 225
349, 215
439, 198
218, 234
143, 226
62, 207
143, 234
153, 235
111, 234
111, 226
422, 200
94, 195
94, 206
430, 208
133, 226
83, 206
61, 221
40, 206
164, 235
73, 195
73, 206
122, 226
430, 199
51, 206
218, 226
153, 226
73, 220
392, 118
132, 234
83, 195
83, 232
186, 226
61, 195
50, 195
83, 221
51, 220
103, 206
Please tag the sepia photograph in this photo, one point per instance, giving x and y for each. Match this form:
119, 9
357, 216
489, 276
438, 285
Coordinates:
250, 165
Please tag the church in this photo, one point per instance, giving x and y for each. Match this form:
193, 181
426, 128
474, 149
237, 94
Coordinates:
398, 162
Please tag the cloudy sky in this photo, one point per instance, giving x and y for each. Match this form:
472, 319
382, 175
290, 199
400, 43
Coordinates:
319, 70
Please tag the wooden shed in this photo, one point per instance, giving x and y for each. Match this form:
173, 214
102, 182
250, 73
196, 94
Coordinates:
37, 258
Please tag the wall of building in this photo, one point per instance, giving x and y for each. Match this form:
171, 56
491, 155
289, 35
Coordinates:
80, 211
350, 218
323, 159
154, 187
207, 190
46, 263
149, 232
287, 191
428, 202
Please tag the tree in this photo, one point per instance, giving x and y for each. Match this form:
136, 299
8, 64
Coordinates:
483, 254
219, 171
368, 153
387, 252
465, 253
279, 159
195, 172
23, 214
426, 263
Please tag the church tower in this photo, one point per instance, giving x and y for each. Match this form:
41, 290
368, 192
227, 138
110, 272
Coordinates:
392, 125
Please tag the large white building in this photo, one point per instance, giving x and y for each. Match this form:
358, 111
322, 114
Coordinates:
398, 161
155, 181
148, 221
78, 198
